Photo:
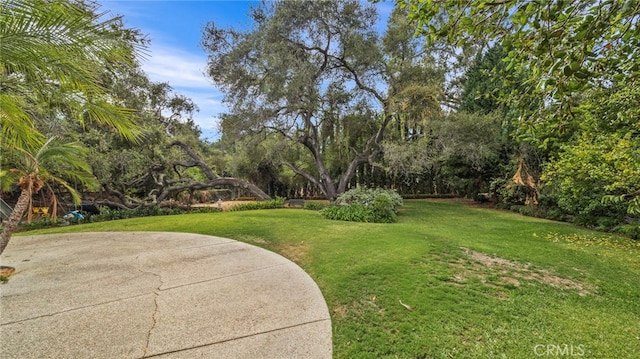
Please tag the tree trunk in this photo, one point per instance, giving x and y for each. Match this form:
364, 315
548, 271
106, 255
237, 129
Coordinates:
12, 223
220, 181
213, 179
350, 172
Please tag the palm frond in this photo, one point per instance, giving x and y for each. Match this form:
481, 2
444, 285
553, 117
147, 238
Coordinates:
53, 162
57, 50
121, 119
7, 179
16, 126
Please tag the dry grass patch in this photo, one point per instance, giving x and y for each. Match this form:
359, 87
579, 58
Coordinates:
296, 252
226, 205
359, 307
5, 273
253, 239
341, 311
511, 273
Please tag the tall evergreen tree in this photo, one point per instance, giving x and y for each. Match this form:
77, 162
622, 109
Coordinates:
483, 83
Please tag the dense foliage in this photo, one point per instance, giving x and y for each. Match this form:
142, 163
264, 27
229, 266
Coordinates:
316, 86
568, 79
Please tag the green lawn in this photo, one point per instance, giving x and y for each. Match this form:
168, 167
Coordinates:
478, 282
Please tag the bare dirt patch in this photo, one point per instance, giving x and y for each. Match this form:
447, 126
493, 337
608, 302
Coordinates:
254, 239
510, 281
359, 306
511, 273
341, 311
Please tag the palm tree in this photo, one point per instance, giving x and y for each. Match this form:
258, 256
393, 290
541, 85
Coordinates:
52, 163
52, 54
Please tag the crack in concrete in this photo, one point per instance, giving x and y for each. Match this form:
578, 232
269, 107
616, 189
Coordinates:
156, 292
235, 274
72, 310
156, 295
243, 337
153, 326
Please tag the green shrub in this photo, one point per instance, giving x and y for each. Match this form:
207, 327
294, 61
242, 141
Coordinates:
107, 214
384, 209
314, 206
555, 214
367, 197
44, 223
602, 216
353, 213
507, 194
631, 230
365, 205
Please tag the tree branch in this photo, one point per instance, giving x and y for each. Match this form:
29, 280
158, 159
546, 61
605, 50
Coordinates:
306, 175
198, 161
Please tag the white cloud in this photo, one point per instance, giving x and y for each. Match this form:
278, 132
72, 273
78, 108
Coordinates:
184, 71
176, 66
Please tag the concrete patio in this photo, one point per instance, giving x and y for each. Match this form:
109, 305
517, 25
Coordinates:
163, 295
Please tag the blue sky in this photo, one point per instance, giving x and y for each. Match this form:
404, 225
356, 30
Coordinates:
175, 56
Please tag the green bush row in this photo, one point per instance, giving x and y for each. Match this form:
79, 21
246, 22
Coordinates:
107, 214
358, 213
592, 212
278, 202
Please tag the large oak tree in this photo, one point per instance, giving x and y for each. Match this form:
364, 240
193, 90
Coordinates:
312, 72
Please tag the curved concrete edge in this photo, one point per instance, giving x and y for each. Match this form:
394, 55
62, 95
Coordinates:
156, 294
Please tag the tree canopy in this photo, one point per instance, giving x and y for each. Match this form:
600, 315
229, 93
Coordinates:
317, 74
557, 48
571, 59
